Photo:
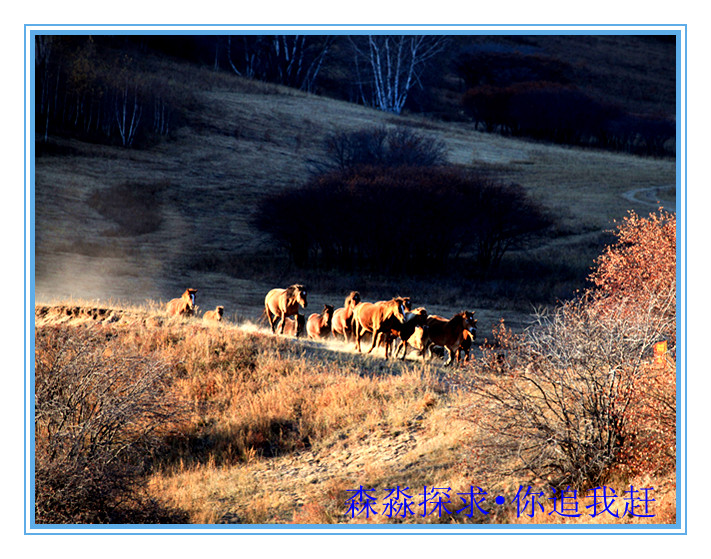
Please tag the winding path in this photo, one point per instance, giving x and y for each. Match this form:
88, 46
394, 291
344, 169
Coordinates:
651, 196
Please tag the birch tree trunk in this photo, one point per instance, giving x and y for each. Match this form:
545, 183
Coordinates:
387, 67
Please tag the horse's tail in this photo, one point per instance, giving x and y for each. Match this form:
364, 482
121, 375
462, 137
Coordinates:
263, 317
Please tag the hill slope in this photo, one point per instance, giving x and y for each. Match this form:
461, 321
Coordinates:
132, 225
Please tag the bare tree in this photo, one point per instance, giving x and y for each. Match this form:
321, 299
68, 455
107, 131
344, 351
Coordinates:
128, 114
292, 60
102, 415
388, 67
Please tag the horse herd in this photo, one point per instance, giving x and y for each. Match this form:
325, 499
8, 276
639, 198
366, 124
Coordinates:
386, 322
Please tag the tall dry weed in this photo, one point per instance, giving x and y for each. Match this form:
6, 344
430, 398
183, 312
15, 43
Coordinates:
102, 413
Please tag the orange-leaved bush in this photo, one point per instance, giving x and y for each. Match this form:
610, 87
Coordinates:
579, 396
637, 275
638, 271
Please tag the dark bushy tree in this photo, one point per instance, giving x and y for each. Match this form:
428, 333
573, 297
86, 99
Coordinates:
563, 114
399, 219
478, 67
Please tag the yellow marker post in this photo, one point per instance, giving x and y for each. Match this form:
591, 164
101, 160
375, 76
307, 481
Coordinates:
660, 351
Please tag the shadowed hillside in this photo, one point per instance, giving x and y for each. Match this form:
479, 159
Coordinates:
137, 224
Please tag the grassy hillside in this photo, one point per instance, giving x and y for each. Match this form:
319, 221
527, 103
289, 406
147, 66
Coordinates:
132, 225
253, 428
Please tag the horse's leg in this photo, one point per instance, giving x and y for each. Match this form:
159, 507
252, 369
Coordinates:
299, 326
404, 352
427, 350
347, 328
269, 318
283, 324
449, 355
356, 334
376, 337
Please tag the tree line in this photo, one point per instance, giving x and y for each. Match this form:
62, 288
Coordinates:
96, 87
95, 94
535, 96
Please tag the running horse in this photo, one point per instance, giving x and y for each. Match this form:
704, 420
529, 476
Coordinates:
282, 303
342, 321
379, 319
412, 332
450, 334
185, 305
318, 326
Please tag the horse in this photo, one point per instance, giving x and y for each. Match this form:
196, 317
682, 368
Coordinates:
449, 334
214, 316
413, 331
295, 327
466, 345
342, 321
378, 318
406, 303
185, 306
281, 303
318, 326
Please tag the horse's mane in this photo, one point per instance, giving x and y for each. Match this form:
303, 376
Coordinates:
293, 288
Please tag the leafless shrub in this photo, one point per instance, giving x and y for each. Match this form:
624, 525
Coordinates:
100, 415
397, 147
564, 412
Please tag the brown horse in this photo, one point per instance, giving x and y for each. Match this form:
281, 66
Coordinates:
378, 318
294, 327
342, 322
449, 334
185, 306
413, 331
281, 303
466, 345
318, 326
214, 316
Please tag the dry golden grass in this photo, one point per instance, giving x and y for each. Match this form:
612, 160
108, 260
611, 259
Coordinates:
282, 431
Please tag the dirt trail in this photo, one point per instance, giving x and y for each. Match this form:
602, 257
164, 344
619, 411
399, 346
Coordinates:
653, 196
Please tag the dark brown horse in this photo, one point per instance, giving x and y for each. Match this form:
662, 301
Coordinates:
449, 334
342, 322
413, 331
185, 306
318, 326
281, 303
378, 318
466, 345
